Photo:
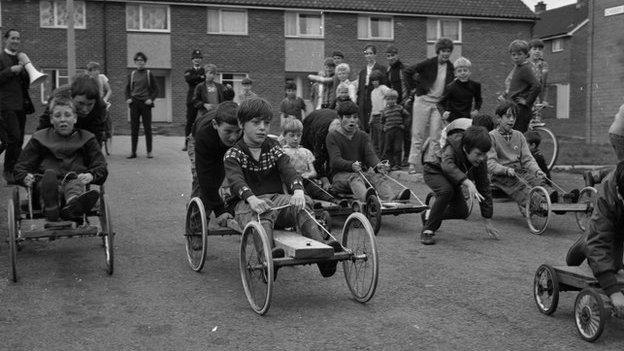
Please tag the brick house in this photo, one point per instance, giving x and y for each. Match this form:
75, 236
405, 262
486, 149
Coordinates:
564, 32
266, 40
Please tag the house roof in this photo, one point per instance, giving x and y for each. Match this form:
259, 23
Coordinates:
510, 9
560, 21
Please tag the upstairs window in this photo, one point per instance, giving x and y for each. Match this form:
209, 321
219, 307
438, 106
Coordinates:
56, 78
53, 14
308, 25
147, 18
444, 28
222, 21
375, 28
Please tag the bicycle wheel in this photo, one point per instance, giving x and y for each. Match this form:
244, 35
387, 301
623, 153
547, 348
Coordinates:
588, 196
549, 146
362, 269
12, 221
256, 267
196, 234
106, 225
546, 289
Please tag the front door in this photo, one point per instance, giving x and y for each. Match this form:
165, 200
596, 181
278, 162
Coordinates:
162, 104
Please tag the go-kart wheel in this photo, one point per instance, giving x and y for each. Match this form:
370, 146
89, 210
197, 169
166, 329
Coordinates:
586, 196
362, 269
424, 215
546, 289
196, 234
373, 212
590, 314
538, 210
12, 233
256, 267
108, 235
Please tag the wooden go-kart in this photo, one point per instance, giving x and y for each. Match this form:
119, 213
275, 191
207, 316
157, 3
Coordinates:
258, 268
592, 307
26, 222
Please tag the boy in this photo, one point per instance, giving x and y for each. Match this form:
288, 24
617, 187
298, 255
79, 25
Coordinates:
342, 95
68, 158
602, 244
351, 154
209, 94
255, 168
301, 158
510, 159
246, 92
521, 85
93, 70
378, 103
193, 76
364, 85
540, 68
460, 164
534, 139
323, 89
393, 119
292, 105
456, 101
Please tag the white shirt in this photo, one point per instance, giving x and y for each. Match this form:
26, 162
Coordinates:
369, 70
437, 88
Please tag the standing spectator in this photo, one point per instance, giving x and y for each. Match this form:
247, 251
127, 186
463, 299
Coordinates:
428, 79
323, 90
341, 76
193, 76
292, 105
141, 91
540, 68
209, 94
521, 85
378, 103
15, 101
396, 81
364, 86
338, 57
393, 119
456, 102
246, 93
93, 70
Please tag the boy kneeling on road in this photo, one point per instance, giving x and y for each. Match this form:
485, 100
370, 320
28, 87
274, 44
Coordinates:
603, 243
68, 158
351, 153
255, 167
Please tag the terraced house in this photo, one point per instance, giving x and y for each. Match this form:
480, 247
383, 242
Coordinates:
267, 40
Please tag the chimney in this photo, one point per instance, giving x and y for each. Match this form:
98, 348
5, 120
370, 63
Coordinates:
540, 7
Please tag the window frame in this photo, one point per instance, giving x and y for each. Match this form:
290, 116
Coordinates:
56, 73
220, 12
54, 9
297, 23
369, 28
439, 29
559, 47
141, 29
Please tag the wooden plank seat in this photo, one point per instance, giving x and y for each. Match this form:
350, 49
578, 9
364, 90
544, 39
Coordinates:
569, 207
63, 229
300, 247
577, 278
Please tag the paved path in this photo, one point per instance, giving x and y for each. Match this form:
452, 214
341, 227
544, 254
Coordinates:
468, 292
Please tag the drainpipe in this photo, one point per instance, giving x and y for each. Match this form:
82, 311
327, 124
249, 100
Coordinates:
104, 43
589, 86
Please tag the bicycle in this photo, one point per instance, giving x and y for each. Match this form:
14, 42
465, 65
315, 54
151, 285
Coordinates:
549, 144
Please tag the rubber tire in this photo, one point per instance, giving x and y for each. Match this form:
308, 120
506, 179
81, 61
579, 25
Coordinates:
550, 163
582, 218
532, 228
12, 236
589, 295
197, 264
106, 225
358, 219
552, 274
254, 228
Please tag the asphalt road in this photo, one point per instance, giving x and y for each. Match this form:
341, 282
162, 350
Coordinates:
467, 292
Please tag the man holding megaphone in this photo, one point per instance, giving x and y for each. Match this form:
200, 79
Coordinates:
15, 101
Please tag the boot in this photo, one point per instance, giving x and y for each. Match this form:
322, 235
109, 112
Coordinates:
576, 253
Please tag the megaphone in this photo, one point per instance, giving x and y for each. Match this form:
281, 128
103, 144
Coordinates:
36, 77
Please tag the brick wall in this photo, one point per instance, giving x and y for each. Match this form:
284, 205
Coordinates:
578, 74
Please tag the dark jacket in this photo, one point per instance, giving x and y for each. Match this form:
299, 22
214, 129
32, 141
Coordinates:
315, 130
13, 87
200, 96
451, 162
343, 152
152, 87
94, 122
78, 152
605, 239
523, 84
364, 91
421, 76
395, 79
458, 99
193, 77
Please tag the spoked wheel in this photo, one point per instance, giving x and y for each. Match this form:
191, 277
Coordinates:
549, 146
12, 233
256, 267
538, 210
362, 270
587, 196
546, 289
590, 314
108, 235
196, 234
373, 212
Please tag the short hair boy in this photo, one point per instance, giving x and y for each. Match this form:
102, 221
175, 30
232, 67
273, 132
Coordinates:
457, 99
394, 120
246, 92
255, 168
540, 67
338, 57
209, 94
292, 105
323, 89
351, 153
68, 158
378, 103
460, 164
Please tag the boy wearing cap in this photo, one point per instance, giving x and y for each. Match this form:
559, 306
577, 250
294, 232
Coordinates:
246, 93
338, 57
456, 102
193, 76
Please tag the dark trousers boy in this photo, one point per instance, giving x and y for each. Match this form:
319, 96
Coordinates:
449, 200
393, 145
139, 110
523, 117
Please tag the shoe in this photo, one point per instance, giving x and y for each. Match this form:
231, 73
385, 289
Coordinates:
576, 253
426, 237
328, 268
571, 197
334, 244
80, 205
554, 197
149, 155
131, 156
412, 169
185, 148
69, 176
277, 252
50, 195
395, 168
403, 195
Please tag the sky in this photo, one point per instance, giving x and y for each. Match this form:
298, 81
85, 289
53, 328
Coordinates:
550, 4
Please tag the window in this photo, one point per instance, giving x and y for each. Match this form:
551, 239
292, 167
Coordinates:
303, 24
373, 27
147, 18
56, 78
557, 45
443, 28
53, 14
234, 80
227, 22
